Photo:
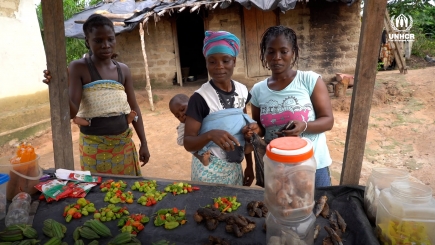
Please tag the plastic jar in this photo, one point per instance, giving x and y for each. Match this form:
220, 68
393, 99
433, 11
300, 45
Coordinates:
289, 176
297, 231
4, 178
379, 179
18, 212
406, 214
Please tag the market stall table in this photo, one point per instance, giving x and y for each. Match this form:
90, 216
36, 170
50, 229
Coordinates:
346, 199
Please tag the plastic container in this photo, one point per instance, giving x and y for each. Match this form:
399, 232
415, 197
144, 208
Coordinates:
289, 176
406, 214
4, 178
298, 231
23, 176
379, 179
18, 212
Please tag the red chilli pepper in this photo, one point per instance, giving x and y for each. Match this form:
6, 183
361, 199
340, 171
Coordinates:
195, 188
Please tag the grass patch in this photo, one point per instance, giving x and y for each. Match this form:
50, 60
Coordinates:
415, 105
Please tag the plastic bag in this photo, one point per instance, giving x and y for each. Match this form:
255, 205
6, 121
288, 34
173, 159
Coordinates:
259, 146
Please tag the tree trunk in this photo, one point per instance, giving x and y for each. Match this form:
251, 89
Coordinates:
148, 86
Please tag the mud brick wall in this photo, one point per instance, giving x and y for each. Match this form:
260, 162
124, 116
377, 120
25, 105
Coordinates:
8, 7
328, 36
159, 48
230, 19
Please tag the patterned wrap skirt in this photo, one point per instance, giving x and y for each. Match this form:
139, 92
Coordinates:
109, 154
218, 171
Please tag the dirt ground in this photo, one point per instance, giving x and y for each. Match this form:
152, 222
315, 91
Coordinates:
400, 133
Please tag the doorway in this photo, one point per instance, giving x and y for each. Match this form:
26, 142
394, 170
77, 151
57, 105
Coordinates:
190, 32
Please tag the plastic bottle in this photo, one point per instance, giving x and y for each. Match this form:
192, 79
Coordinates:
406, 214
289, 176
379, 179
18, 212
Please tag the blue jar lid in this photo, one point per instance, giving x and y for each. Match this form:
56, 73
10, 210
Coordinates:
4, 178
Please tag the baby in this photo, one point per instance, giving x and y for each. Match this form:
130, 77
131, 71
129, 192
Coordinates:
178, 107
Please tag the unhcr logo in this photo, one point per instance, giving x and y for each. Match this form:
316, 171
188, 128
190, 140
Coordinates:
401, 26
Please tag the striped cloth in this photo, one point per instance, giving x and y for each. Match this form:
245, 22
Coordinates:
220, 42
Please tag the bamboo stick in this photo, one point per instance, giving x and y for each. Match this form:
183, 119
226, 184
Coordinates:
115, 23
181, 9
194, 8
148, 84
215, 5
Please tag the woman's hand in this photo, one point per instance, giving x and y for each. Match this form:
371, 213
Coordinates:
144, 154
298, 129
223, 139
249, 130
47, 77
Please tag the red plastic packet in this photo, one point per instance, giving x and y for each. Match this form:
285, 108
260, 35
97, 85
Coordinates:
80, 189
84, 178
55, 189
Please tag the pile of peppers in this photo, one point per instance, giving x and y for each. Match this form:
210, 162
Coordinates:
171, 218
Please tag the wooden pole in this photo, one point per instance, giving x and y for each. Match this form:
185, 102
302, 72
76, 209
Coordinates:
54, 35
148, 86
365, 76
177, 52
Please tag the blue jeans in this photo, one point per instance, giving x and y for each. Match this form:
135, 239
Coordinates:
322, 177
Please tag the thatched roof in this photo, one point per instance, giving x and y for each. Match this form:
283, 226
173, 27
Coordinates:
126, 14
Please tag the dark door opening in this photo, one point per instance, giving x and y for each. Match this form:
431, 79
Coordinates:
190, 32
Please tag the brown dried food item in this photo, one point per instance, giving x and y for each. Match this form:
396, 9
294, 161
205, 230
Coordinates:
325, 211
341, 223
223, 216
240, 221
327, 241
237, 231
231, 220
218, 241
316, 231
248, 228
209, 212
198, 218
211, 224
265, 210
336, 240
320, 204
229, 228
257, 208
333, 221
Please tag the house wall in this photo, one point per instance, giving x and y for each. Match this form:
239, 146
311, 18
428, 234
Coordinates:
159, 49
328, 36
24, 99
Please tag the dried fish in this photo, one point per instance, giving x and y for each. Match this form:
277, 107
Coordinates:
336, 240
316, 231
325, 211
333, 221
320, 204
327, 241
341, 222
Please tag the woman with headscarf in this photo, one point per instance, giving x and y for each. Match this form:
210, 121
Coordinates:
216, 115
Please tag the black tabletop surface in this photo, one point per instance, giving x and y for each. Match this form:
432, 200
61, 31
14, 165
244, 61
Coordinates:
348, 200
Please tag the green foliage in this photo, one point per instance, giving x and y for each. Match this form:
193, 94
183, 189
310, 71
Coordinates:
75, 48
422, 13
423, 45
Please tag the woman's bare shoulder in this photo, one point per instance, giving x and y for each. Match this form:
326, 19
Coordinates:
80, 63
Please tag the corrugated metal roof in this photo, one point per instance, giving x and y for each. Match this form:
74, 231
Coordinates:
126, 14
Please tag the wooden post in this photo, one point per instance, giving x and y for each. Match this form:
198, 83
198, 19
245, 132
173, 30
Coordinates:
147, 72
365, 76
177, 52
54, 34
